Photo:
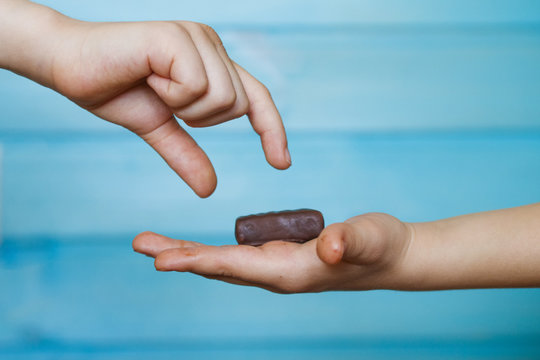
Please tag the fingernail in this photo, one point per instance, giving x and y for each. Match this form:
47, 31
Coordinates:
288, 156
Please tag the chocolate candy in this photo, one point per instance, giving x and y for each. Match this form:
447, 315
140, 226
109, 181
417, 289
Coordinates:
290, 225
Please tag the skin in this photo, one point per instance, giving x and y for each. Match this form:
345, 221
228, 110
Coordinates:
373, 251
144, 76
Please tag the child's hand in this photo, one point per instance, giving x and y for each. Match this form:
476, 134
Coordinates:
139, 75
365, 252
492, 249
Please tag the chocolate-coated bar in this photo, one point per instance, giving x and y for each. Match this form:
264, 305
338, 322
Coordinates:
290, 225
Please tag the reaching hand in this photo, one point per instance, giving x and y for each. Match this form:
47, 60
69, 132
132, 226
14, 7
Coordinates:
364, 252
141, 75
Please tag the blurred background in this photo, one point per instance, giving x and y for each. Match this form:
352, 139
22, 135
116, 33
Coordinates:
421, 109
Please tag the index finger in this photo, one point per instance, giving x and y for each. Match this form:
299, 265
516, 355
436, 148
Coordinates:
266, 121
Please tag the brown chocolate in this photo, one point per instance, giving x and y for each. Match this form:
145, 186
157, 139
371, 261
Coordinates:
290, 225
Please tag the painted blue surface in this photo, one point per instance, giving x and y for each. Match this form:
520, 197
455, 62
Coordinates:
69, 185
422, 109
379, 78
99, 294
283, 12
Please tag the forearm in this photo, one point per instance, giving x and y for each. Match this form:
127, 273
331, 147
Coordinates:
30, 35
484, 250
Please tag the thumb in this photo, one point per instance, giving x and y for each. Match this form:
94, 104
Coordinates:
349, 243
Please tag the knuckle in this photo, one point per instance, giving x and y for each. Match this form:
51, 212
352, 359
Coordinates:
170, 30
241, 107
224, 100
263, 89
209, 29
372, 224
197, 87
212, 33
185, 24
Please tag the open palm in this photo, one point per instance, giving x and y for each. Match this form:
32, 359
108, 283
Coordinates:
365, 252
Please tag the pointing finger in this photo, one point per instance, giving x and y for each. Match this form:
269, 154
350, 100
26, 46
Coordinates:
266, 121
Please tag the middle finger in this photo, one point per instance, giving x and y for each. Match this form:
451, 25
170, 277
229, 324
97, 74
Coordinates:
221, 94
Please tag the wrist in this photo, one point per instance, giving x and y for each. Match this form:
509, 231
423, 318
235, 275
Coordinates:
435, 259
403, 273
30, 37
411, 269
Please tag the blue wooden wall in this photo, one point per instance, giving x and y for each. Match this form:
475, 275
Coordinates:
423, 109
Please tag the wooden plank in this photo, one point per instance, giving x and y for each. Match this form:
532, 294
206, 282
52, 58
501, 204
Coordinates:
359, 78
118, 185
401, 79
380, 349
304, 11
105, 296
1, 192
